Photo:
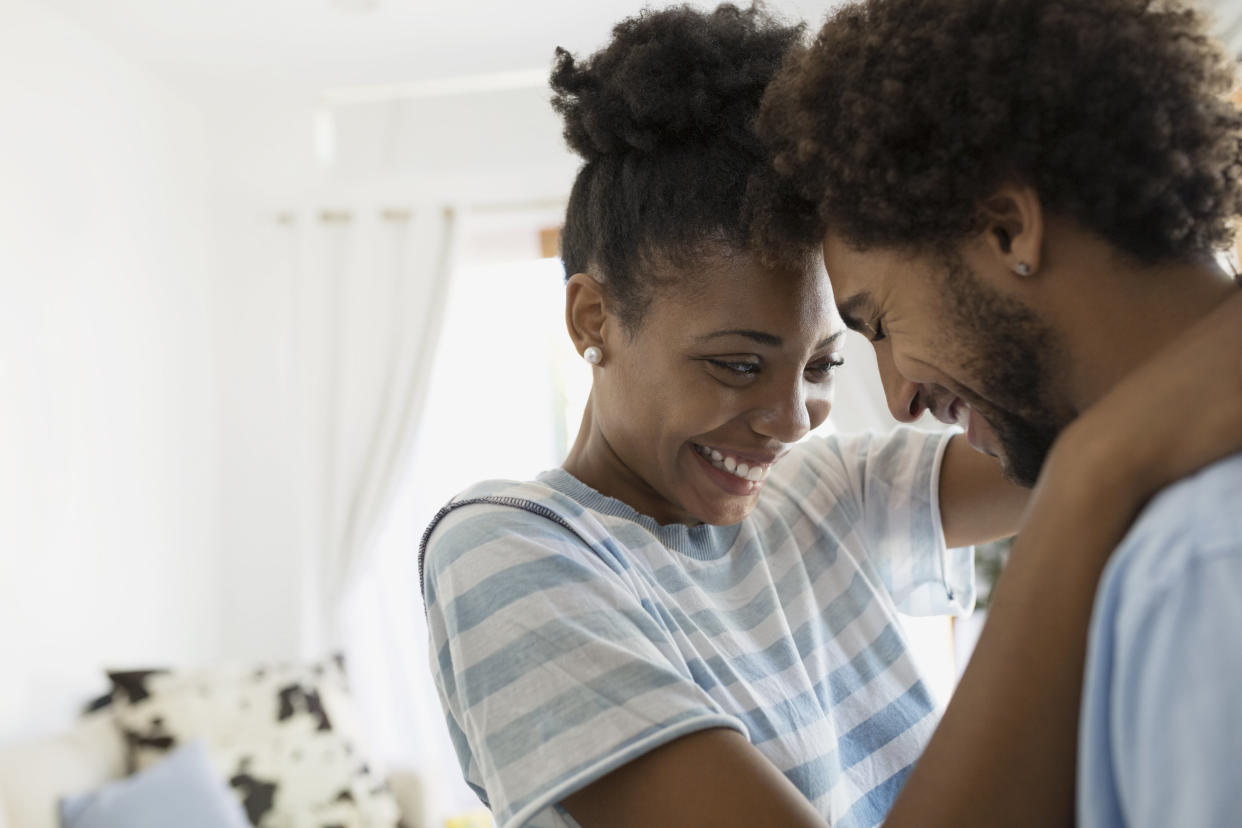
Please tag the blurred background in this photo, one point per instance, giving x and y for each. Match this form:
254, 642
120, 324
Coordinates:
277, 278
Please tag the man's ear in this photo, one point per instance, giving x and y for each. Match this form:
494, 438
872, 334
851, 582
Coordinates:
585, 311
1013, 220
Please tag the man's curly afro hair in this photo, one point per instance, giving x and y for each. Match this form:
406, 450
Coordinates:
663, 118
904, 115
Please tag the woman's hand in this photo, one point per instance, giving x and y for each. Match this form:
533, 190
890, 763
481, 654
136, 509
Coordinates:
1004, 753
1178, 412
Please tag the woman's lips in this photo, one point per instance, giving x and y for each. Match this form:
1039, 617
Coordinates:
737, 472
743, 467
729, 481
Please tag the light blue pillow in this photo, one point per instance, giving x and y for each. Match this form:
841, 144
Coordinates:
182, 790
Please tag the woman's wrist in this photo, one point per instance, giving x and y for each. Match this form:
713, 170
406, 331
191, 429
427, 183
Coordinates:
1095, 477
1100, 456
1086, 459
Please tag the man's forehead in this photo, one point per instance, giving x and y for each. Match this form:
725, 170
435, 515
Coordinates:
845, 267
858, 277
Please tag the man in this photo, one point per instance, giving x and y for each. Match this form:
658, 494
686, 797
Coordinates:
1020, 203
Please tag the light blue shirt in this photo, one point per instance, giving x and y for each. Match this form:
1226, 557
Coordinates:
571, 635
1160, 740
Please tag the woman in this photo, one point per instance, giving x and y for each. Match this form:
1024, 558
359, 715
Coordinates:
693, 620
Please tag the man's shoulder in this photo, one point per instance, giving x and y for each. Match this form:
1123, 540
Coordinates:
1198, 516
1203, 507
1162, 675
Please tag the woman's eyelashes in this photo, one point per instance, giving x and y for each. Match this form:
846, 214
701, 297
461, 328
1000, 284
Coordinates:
823, 369
739, 372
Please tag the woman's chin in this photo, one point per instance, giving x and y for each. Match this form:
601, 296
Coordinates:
724, 510
719, 497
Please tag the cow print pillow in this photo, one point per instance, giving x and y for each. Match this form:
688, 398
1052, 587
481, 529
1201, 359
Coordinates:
284, 736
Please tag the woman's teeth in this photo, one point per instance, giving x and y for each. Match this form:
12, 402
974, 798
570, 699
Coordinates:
732, 465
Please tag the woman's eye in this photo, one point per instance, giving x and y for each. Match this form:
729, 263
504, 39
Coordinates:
742, 369
822, 370
877, 330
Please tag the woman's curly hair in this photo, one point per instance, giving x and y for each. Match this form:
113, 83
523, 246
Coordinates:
904, 115
663, 118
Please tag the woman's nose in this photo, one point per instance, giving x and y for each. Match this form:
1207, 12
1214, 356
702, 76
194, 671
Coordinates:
792, 413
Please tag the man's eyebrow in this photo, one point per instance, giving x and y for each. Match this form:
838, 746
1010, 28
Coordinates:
858, 305
758, 336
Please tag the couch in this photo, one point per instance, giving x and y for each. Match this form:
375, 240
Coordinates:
35, 775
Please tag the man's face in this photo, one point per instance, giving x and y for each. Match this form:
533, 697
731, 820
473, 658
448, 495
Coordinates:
949, 342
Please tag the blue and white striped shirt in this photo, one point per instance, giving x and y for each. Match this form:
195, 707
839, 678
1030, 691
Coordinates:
571, 635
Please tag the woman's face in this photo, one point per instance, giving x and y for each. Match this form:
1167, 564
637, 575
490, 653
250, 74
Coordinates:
726, 370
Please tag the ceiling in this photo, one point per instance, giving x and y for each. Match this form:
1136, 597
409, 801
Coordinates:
311, 45
320, 43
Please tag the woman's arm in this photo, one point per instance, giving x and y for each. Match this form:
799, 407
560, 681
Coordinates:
977, 502
709, 778
1004, 753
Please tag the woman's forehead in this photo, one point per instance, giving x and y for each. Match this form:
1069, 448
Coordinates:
739, 292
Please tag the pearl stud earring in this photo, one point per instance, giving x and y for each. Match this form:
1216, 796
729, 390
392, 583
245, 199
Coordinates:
593, 355
1023, 269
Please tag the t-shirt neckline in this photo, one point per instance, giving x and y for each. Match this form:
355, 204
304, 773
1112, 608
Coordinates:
702, 542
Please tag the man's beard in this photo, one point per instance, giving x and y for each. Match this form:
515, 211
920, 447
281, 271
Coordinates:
1007, 350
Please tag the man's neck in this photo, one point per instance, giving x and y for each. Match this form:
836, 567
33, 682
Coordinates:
1128, 314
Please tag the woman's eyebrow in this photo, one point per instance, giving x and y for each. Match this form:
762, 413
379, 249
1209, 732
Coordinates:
765, 338
758, 336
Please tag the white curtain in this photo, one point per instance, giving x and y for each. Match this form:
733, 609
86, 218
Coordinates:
369, 287
498, 406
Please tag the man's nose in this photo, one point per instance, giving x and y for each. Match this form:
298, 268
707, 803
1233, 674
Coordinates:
904, 401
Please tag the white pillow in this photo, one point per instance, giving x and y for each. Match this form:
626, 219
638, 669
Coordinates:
285, 737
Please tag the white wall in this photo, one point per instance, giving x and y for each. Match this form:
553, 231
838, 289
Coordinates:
108, 418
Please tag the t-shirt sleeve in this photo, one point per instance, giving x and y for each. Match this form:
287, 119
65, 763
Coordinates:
1175, 688
883, 492
551, 669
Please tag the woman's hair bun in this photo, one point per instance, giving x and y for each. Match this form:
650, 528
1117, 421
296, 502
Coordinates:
669, 79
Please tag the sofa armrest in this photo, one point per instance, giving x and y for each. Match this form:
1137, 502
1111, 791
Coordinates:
34, 776
414, 797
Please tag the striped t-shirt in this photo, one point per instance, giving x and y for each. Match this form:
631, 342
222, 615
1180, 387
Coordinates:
571, 634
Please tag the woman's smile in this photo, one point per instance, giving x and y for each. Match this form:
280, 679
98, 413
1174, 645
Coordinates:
737, 473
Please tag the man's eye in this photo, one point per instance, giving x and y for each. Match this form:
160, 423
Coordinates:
877, 330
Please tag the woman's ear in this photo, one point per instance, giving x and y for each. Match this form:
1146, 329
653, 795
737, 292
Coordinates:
1013, 218
585, 312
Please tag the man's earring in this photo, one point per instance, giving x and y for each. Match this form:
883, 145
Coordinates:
593, 355
1023, 269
